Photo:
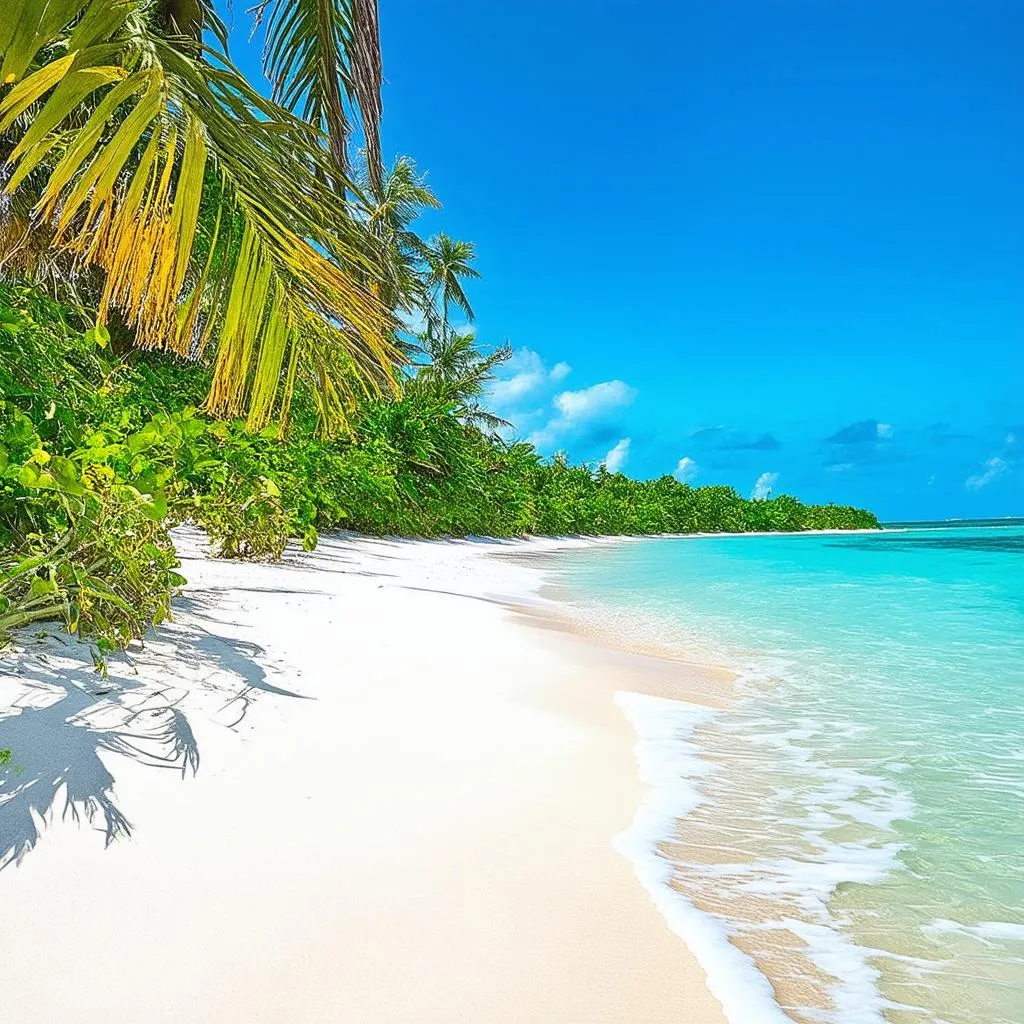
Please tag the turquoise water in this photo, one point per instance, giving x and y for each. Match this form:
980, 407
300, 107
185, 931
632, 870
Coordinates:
854, 821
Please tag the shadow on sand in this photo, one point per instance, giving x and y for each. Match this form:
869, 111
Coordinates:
58, 715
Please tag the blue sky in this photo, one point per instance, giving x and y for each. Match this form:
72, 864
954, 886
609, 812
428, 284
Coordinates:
755, 239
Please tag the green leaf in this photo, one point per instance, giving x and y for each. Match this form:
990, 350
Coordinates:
98, 336
41, 587
65, 474
10, 322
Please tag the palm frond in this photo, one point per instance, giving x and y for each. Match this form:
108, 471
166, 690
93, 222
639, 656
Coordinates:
367, 81
133, 133
317, 54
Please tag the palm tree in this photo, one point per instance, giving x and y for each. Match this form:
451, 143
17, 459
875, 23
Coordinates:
389, 213
207, 208
318, 51
448, 261
458, 374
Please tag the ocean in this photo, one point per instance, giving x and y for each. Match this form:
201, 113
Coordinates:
844, 842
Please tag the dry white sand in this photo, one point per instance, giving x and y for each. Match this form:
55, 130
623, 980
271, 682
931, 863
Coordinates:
337, 789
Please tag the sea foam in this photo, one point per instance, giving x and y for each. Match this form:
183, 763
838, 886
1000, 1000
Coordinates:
672, 768
668, 762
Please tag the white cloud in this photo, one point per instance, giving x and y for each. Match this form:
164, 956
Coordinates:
1011, 439
993, 469
686, 470
840, 467
763, 486
575, 409
513, 390
524, 376
592, 402
616, 458
884, 430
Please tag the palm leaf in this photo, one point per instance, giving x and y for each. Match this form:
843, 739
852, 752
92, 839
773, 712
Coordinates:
448, 260
131, 132
317, 53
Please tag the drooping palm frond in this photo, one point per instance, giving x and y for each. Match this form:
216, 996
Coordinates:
317, 55
367, 81
133, 133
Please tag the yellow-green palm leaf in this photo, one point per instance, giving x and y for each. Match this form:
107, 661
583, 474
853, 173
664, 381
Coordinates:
139, 141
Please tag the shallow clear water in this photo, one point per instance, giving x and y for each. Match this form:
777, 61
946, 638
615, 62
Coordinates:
854, 822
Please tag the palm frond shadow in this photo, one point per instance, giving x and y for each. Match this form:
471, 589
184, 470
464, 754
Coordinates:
64, 715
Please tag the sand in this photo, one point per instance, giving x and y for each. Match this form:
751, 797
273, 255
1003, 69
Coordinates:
350, 787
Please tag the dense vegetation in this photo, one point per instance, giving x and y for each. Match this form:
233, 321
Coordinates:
200, 320
101, 453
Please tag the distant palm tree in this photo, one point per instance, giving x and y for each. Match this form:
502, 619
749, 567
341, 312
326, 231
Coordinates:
448, 262
458, 373
390, 212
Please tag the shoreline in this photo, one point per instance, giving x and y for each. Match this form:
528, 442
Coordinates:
379, 831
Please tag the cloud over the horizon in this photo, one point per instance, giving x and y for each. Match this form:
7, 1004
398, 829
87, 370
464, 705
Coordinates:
861, 432
686, 471
587, 411
993, 468
864, 443
727, 439
522, 377
616, 458
763, 486
763, 443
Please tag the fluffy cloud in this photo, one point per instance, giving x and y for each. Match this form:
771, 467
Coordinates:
686, 471
593, 402
616, 458
884, 430
583, 410
763, 486
559, 372
524, 377
992, 469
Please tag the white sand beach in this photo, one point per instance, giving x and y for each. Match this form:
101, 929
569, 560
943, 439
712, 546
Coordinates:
350, 787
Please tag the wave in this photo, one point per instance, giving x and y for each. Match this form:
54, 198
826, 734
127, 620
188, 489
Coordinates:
792, 886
